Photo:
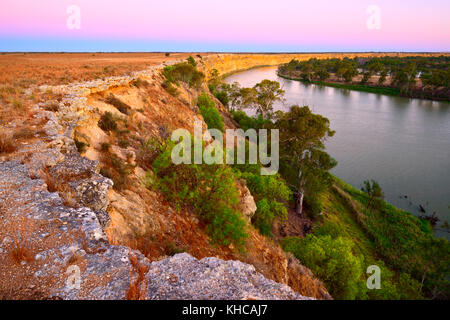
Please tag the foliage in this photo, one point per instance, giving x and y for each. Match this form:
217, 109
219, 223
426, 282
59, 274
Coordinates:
403, 71
170, 88
417, 262
245, 122
184, 72
303, 161
209, 190
376, 195
191, 61
262, 97
332, 260
209, 112
107, 122
271, 195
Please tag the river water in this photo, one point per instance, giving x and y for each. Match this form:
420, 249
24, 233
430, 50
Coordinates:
402, 143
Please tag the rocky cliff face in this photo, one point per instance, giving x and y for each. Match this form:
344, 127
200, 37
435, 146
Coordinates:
66, 233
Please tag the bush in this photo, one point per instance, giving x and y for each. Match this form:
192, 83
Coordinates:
81, 146
245, 122
332, 261
170, 88
208, 190
210, 113
191, 61
148, 152
271, 195
184, 72
117, 170
107, 122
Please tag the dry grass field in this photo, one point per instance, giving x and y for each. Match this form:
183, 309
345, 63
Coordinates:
22, 73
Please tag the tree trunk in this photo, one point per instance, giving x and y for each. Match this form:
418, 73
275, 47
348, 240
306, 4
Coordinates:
299, 203
300, 195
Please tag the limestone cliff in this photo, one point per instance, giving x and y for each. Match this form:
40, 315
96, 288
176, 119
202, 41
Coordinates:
63, 224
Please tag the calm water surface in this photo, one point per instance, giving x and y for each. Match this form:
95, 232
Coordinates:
402, 143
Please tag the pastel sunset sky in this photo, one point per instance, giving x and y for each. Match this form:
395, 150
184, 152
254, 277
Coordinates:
225, 25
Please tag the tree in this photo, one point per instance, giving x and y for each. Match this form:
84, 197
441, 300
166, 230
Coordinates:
382, 77
266, 92
322, 74
302, 152
376, 195
187, 74
191, 61
366, 77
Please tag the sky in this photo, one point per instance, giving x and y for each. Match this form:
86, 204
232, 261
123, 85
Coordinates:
224, 25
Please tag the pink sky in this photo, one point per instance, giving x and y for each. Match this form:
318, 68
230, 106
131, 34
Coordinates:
337, 25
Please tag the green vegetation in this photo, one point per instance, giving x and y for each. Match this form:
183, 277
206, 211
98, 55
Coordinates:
209, 112
353, 229
303, 160
170, 88
403, 72
81, 145
107, 122
331, 260
271, 195
184, 73
375, 194
245, 122
208, 190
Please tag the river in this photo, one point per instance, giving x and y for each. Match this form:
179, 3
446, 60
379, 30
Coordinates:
402, 143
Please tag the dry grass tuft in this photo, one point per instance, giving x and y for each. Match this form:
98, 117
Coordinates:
137, 287
63, 189
20, 232
6, 143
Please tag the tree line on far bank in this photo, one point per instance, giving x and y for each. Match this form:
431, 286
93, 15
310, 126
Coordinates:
400, 73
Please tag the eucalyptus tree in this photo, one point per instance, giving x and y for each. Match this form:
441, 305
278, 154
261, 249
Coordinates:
303, 160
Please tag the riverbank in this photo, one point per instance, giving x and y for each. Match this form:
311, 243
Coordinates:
357, 87
414, 94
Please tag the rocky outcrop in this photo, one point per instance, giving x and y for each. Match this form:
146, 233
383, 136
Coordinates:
247, 204
104, 271
184, 277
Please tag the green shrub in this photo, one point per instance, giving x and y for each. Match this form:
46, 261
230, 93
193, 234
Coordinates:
184, 72
147, 153
170, 88
117, 170
208, 190
191, 61
124, 143
209, 112
107, 122
271, 195
222, 96
245, 122
332, 261
81, 146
